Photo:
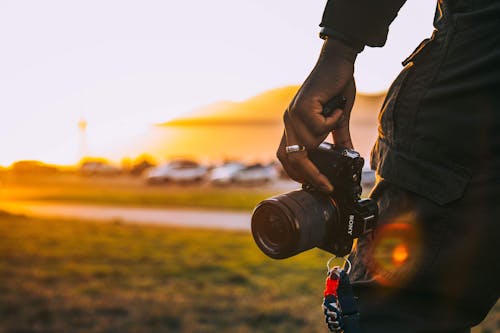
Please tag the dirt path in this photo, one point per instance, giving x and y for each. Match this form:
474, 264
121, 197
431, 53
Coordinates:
163, 216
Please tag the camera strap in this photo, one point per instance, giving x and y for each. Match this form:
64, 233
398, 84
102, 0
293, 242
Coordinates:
338, 289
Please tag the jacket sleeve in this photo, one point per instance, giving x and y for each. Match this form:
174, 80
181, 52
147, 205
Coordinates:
359, 22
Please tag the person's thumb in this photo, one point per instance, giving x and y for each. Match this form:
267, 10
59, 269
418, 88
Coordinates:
342, 136
339, 126
334, 120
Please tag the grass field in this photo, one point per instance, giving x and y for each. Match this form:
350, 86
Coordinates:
127, 191
77, 276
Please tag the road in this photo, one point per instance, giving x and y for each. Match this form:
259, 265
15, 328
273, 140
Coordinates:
163, 216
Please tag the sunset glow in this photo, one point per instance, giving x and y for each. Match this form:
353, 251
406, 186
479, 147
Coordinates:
125, 66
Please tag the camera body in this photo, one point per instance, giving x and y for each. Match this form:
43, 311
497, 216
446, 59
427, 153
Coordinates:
290, 223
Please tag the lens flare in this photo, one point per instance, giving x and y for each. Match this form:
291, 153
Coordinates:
400, 254
396, 250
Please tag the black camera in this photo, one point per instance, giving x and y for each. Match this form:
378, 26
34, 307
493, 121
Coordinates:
293, 222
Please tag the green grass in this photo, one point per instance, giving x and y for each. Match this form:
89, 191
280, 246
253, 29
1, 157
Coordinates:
77, 276
127, 191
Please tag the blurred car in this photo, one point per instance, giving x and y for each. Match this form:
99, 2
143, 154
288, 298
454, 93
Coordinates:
157, 175
224, 174
256, 174
32, 167
97, 168
176, 171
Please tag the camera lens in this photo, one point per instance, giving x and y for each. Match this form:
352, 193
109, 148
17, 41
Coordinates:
274, 230
290, 223
278, 230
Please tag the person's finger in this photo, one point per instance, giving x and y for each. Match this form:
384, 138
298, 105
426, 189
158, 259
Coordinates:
303, 135
319, 125
342, 136
302, 165
296, 131
334, 120
311, 126
283, 158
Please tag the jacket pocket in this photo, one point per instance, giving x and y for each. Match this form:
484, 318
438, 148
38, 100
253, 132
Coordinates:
386, 130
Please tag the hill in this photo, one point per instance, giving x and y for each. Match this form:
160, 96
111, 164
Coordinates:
248, 130
266, 108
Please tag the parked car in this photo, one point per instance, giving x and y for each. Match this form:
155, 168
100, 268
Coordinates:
97, 168
32, 167
224, 174
256, 174
157, 175
177, 171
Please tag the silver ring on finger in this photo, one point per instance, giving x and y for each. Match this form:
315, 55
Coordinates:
294, 149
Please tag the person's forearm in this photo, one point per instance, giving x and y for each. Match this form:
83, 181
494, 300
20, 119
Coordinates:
333, 47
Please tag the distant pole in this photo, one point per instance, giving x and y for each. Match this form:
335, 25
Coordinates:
82, 128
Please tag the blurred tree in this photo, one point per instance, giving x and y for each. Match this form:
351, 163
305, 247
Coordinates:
142, 163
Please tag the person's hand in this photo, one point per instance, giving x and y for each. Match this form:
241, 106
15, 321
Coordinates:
306, 126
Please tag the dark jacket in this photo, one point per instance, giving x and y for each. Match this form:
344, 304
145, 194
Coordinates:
440, 122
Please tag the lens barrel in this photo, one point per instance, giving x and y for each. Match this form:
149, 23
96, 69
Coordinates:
290, 223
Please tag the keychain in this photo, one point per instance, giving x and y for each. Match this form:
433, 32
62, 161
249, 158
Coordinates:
339, 305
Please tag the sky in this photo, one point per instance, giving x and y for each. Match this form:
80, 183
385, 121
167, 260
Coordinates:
124, 65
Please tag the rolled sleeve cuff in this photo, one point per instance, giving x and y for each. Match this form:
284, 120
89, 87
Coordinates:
359, 22
328, 33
